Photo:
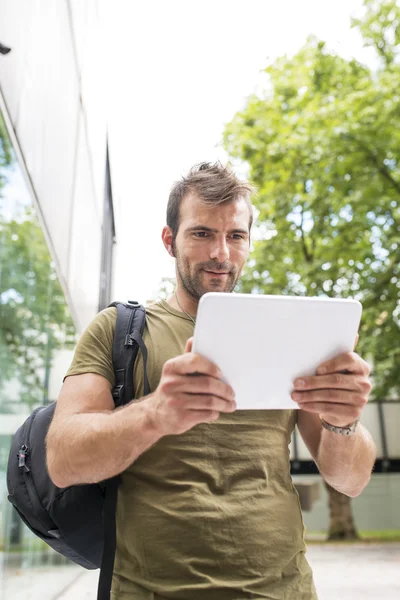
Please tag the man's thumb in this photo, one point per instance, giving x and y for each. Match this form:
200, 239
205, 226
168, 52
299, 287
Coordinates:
189, 345
356, 342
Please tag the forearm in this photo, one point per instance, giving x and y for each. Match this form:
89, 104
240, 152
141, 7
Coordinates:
346, 462
91, 447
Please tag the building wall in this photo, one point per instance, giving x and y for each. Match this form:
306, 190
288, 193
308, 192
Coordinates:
54, 93
52, 195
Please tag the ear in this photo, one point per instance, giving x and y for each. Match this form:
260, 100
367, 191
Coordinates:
167, 240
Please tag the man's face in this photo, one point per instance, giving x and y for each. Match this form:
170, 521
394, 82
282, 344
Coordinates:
211, 246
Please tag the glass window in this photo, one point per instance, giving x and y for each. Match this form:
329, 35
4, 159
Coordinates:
36, 329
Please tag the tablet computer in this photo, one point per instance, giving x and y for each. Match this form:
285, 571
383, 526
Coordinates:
262, 343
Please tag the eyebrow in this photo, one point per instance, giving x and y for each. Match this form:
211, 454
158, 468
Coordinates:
211, 230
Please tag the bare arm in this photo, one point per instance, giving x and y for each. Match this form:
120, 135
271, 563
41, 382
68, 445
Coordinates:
344, 462
89, 441
338, 394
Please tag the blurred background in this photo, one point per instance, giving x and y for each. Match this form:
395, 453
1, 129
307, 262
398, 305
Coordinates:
103, 105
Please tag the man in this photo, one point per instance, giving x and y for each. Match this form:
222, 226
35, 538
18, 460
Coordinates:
206, 509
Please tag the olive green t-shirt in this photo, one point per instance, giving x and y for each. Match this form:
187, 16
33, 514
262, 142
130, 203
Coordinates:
211, 514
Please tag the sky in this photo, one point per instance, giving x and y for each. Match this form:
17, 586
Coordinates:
178, 71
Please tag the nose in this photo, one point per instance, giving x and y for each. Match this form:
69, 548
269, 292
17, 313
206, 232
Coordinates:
219, 250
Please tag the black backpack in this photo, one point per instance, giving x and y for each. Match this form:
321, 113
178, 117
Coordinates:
77, 521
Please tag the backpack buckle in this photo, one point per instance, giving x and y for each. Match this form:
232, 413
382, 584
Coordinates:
117, 393
134, 302
129, 340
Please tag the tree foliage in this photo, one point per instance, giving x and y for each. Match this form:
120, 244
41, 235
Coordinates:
380, 28
34, 317
5, 148
322, 144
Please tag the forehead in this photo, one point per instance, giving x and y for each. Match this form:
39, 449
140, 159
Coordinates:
193, 211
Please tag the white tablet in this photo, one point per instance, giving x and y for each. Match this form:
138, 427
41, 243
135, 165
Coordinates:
262, 343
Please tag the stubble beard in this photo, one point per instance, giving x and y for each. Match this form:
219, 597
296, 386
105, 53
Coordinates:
192, 284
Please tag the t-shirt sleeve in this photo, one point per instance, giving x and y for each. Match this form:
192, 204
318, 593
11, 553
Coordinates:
93, 353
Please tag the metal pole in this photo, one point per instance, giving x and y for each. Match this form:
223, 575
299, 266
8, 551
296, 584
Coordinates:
382, 428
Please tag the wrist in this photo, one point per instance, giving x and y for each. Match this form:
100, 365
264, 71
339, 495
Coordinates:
347, 430
337, 421
151, 417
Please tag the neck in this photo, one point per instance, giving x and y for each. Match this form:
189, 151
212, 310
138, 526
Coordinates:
186, 303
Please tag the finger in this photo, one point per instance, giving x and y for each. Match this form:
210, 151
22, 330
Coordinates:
349, 361
202, 402
189, 345
192, 364
356, 341
204, 416
336, 412
329, 397
198, 384
342, 381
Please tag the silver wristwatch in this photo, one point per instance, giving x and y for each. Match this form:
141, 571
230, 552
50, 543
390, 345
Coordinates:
348, 430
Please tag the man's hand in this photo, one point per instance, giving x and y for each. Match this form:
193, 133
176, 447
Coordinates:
339, 390
190, 392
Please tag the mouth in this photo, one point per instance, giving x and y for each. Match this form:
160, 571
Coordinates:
217, 273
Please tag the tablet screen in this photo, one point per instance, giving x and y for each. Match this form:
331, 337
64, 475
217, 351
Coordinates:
262, 343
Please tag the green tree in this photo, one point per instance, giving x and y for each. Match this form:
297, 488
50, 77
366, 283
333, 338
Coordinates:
380, 28
323, 148
322, 144
34, 317
5, 148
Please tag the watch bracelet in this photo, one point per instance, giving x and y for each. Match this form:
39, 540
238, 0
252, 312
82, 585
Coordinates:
347, 430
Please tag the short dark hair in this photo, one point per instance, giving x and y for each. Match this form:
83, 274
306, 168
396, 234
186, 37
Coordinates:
213, 183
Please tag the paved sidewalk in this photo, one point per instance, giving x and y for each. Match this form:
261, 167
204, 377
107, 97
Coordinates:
359, 571
341, 571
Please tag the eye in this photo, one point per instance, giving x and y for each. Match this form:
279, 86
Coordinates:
200, 234
238, 236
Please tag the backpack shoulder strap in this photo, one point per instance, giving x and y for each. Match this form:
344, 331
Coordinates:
131, 320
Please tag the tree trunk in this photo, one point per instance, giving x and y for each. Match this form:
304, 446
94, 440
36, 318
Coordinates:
341, 522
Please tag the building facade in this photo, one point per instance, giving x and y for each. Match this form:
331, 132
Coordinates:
57, 223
